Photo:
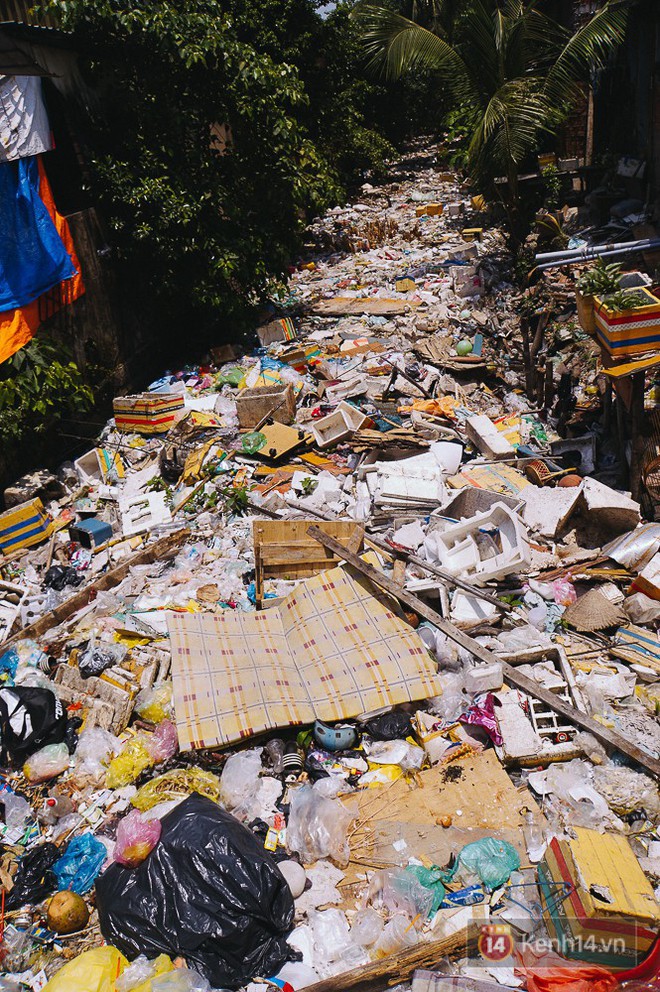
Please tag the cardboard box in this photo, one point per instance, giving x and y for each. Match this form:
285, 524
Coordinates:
282, 329
147, 413
629, 332
23, 526
277, 402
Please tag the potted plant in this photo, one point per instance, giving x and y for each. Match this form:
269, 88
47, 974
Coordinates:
601, 280
628, 321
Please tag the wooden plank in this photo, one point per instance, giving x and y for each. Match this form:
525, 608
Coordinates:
608, 738
399, 967
162, 548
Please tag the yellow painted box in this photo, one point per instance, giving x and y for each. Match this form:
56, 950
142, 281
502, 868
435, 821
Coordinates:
147, 413
24, 525
629, 332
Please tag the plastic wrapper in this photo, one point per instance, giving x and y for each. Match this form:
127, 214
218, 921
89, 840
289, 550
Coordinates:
431, 879
318, 827
180, 980
50, 761
490, 859
163, 743
95, 750
99, 656
331, 936
483, 715
91, 971
398, 934
564, 592
154, 704
367, 927
29, 720
17, 809
34, 879
239, 777
136, 838
176, 785
138, 976
208, 891
132, 760
80, 864
397, 890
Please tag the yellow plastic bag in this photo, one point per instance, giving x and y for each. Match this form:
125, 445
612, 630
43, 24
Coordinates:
93, 971
131, 761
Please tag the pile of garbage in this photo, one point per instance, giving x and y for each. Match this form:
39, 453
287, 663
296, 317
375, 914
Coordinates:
337, 660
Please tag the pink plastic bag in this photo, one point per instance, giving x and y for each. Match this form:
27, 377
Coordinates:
163, 743
136, 838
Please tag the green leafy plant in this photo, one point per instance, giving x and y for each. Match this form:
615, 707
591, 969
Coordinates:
236, 500
600, 280
552, 183
308, 485
519, 69
624, 299
39, 385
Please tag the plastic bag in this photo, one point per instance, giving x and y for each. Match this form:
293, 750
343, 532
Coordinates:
132, 760
399, 891
176, 785
91, 971
483, 715
154, 704
97, 657
136, 838
29, 720
163, 743
208, 891
95, 750
180, 980
50, 761
389, 726
318, 827
431, 879
80, 864
139, 974
548, 972
34, 879
492, 860
239, 777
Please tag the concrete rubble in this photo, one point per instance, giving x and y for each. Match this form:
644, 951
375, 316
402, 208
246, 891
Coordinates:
248, 760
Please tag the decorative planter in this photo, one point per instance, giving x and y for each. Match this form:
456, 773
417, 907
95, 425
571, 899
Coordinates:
585, 310
629, 332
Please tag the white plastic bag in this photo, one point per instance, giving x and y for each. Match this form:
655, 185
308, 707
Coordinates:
240, 777
318, 827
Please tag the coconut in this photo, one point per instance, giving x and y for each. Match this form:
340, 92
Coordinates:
67, 912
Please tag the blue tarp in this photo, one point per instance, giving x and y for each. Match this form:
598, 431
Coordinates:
33, 257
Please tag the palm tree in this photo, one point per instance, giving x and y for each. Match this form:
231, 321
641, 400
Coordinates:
514, 70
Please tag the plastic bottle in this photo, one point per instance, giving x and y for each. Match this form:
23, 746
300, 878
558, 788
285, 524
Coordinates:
533, 834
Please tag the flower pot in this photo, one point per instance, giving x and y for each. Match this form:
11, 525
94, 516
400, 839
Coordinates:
585, 309
629, 332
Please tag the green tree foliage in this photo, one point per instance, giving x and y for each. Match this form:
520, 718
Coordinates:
513, 69
201, 164
39, 385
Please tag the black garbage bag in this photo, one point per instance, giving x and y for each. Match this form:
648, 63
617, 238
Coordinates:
34, 879
208, 891
391, 726
30, 718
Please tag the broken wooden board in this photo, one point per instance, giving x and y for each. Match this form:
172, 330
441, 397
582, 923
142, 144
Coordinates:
284, 550
161, 549
475, 791
609, 738
340, 306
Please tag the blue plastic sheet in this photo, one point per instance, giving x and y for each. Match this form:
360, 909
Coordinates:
33, 258
80, 864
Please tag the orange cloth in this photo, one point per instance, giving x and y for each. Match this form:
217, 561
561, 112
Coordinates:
19, 326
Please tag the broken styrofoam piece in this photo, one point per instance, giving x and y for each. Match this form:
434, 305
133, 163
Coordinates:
613, 510
485, 436
339, 425
546, 511
487, 546
142, 513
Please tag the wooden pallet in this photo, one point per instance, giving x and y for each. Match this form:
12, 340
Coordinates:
284, 550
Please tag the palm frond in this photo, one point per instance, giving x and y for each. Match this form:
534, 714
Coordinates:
588, 48
395, 44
